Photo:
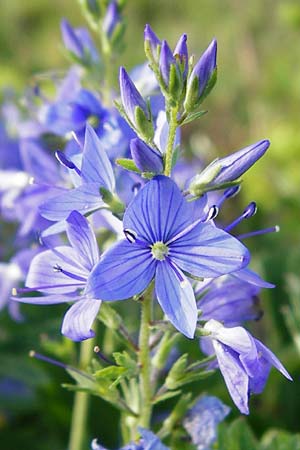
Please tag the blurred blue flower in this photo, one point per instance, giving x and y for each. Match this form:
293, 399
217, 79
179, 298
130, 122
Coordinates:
202, 421
79, 43
148, 441
164, 241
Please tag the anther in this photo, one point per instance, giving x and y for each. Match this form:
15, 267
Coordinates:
212, 213
130, 235
248, 212
61, 157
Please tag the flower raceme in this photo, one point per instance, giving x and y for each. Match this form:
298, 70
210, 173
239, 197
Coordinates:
167, 242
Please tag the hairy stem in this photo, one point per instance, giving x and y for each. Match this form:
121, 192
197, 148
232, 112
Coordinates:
171, 139
145, 364
77, 440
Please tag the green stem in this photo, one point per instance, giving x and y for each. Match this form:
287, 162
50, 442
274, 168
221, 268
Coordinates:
81, 403
173, 124
145, 364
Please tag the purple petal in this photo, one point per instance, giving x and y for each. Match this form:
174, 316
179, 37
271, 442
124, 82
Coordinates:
81, 236
50, 299
252, 278
182, 52
269, 356
111, 18
158, 211
44, 277
79, 319
85, 199
150, 36
146, 158
96, 167
208, 252
176, 299
234, 375
124, 270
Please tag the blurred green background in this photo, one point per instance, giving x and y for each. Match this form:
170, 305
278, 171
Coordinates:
257, 96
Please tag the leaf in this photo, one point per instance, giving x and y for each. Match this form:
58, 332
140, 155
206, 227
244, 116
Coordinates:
238, 436
193, 116
124, 359
127, 164
179, 376
280, 440
165, 396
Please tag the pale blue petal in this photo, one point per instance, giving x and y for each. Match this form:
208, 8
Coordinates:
235, 377
96, 167
176, 299
124, 270
79, 319
208, 252
85, 199
81, 236
269, 356
54, 299
158, 212
43, 276
252, 278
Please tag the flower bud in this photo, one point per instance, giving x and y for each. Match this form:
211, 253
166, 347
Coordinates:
79, 43
145, 158
226, 170
152, 44
202, 78
134, 105
111, 19
181, 52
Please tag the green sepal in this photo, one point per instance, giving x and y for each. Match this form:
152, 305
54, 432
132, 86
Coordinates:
193, 116
175, 84
109, 317
165, 346
192, 96
127, 164
92, 11
112, 200
144, 126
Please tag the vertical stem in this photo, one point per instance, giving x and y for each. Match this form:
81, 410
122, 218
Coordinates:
145, 364
171, 139
81, 403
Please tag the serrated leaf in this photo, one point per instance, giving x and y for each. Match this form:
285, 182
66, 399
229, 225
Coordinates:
83, 380
179, 376
110, 373
127, 164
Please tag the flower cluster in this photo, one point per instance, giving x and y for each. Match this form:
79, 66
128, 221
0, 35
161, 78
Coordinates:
133, 233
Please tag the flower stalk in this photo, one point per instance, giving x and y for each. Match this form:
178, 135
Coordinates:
173, 124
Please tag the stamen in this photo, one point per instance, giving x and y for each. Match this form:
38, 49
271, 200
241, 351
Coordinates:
58, 268
54, 362
61, 157
274, 229
229, 193
248, 212
103, 357
27, 290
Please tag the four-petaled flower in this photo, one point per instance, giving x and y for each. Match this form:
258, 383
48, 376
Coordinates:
165, 241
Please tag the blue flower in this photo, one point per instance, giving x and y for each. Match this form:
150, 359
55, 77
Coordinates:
166, 242
61, 274
202, 421
78, 41
148, 441
244, 361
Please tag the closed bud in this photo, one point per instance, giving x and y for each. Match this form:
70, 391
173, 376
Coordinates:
202, 78
152, 45
181, 53
146, 158
111, 19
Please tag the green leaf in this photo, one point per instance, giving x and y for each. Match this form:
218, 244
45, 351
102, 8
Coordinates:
180, 374
124, 360
165, 396
127, 164
280, 440
110, 373
238, 436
